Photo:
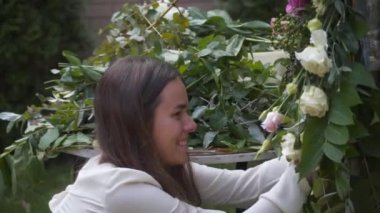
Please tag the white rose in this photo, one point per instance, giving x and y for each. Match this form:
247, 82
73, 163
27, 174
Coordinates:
287, 147
315, 60
319, 38
313, 102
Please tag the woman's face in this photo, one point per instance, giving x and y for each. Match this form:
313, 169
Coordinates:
172, 124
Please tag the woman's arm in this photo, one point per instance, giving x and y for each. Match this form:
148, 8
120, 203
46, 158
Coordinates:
243, 188
146, 198
288, 195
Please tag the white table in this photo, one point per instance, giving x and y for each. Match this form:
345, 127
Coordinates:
200, 156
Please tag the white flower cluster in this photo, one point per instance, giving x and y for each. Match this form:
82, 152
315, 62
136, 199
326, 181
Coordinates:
313, 100
314, 58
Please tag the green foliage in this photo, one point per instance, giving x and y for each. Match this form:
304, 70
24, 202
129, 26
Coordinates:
211, 51
213, 54
32, 184
32, 35
253, 9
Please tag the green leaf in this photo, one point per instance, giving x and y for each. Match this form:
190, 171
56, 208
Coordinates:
220, 13
342, 181
48, 138
350, 41
360, 75
9, 116
358, 130
313, 140
196, 13
318, 187
198, 112
218, 120
71, 58
359, 25
209, 138
256, 134
370, 147
341, 115
347, 95
204, 52
70, 140
181, 20
234, 44
59, 140
212, 70
220, 53
90, 73
216, 21
204, 42
333, 152
340, 7
2, 182
253, 25
237, 131
337, 134
82, 138
10, 126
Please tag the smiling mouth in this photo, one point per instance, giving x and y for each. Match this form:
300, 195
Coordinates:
183, 143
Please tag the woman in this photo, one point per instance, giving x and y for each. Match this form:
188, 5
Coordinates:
142, 129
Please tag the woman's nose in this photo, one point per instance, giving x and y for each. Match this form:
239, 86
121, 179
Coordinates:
190, 125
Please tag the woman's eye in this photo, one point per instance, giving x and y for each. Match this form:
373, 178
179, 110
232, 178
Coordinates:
177, 114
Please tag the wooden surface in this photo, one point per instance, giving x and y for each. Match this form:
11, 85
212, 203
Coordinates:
200, 156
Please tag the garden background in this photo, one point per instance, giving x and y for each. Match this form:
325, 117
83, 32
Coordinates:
33, 35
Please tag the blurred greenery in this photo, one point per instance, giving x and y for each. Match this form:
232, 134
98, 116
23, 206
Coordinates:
253, 9
223, 80
38, 184
32, 37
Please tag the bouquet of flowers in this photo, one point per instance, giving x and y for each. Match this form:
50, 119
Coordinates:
329, 107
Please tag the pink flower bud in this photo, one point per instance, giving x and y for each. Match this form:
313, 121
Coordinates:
272, 121
294, 6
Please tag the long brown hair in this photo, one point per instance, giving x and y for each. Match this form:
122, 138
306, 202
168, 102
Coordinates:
126, 98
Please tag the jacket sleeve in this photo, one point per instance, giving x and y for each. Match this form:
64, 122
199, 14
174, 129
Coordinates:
255, 188
146, 198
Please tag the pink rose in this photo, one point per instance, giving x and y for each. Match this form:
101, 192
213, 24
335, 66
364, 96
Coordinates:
272, 121
294, 6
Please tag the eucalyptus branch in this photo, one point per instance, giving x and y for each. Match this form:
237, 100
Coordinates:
9, 149
262, 40
163, 14
151, 25
64, 148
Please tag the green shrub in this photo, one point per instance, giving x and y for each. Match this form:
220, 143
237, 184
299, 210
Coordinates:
253, 9
33, 35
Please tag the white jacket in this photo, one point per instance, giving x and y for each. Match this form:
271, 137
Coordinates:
270, 187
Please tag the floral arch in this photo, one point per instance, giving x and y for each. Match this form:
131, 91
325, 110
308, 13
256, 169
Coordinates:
316, 104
